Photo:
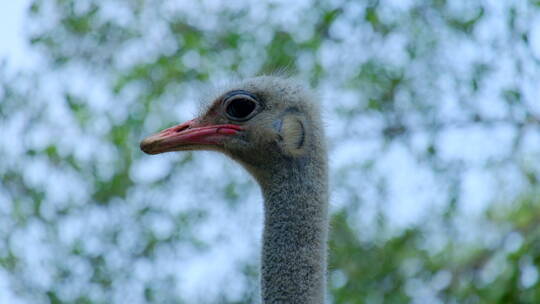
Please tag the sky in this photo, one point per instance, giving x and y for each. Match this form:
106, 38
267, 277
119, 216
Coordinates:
12, 49
12, 40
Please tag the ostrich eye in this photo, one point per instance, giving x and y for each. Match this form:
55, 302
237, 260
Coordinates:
240, 107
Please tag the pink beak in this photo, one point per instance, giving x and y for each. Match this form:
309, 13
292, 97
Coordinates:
188, 136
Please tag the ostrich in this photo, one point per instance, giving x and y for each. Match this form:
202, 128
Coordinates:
272, 127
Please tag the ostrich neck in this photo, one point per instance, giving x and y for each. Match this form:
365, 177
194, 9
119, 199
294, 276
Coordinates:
295, 233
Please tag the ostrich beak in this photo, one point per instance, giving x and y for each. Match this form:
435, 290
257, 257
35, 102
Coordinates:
188, 136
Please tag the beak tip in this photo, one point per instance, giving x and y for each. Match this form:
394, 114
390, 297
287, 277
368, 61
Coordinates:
146, 146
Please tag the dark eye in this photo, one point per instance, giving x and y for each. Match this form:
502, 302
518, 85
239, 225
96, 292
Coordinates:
240, 107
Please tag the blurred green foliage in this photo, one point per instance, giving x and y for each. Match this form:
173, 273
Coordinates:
443, 92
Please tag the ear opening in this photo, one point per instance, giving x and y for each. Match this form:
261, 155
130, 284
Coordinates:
293, 135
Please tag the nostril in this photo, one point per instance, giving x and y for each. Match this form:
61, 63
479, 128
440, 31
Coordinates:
181, 128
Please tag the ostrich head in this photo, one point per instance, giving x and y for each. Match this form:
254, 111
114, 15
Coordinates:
257, 122
271, 126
